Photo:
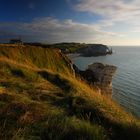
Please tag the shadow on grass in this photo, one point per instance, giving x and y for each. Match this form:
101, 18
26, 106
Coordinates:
115, 129
18, 73
56, 80
83, 109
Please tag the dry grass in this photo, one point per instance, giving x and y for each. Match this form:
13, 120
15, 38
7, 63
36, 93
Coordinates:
43, 100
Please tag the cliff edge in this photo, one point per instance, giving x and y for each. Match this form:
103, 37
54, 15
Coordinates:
41, 99
103, 74
99, 75
94, 50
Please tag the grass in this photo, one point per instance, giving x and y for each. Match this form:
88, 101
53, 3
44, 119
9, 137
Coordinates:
41, 99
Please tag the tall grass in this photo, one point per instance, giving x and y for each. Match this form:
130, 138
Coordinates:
41, 99
51, 59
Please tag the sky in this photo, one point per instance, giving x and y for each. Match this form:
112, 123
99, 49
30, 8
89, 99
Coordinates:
110, 22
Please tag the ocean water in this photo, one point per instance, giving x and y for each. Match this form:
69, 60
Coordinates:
126, 82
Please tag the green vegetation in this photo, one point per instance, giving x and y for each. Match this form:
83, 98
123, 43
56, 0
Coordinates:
40, 99
71, 47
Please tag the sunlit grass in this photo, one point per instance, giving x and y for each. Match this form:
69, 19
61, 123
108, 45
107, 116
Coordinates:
40, 98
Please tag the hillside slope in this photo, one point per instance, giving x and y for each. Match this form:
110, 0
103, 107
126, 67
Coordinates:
40, 99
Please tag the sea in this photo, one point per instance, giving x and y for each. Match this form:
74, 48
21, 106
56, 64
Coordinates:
126, 82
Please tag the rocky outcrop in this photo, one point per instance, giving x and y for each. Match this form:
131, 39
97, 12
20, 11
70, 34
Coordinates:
100, 75
103, 75
94, 50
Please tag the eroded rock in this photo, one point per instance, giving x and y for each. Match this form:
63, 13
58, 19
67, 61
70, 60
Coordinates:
100, 75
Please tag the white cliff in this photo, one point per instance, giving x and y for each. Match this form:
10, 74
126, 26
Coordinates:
103, 74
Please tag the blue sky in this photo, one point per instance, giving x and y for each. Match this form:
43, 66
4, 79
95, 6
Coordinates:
111, 22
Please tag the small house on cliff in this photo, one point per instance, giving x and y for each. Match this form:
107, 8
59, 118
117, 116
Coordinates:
16, 41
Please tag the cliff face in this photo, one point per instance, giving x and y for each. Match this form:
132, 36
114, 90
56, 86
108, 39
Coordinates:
100, 75
103, 75
94, 50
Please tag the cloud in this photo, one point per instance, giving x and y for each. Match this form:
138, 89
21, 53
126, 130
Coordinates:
54, 30
115, 10
118, 16
115, 14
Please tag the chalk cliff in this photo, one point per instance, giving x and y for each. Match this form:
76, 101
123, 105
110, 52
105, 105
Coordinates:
94, 50
100, 75
103, 74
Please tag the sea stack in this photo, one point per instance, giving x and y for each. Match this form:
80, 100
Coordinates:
103, 75
99, 75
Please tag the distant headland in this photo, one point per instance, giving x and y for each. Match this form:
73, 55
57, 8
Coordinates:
86, 50
94, 50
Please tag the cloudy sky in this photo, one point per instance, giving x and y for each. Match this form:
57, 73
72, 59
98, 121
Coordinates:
111, 22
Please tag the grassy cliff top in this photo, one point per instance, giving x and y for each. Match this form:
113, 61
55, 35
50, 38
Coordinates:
40, 99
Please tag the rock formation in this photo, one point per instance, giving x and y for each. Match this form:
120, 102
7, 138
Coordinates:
94, 50
103, 75
100, 75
